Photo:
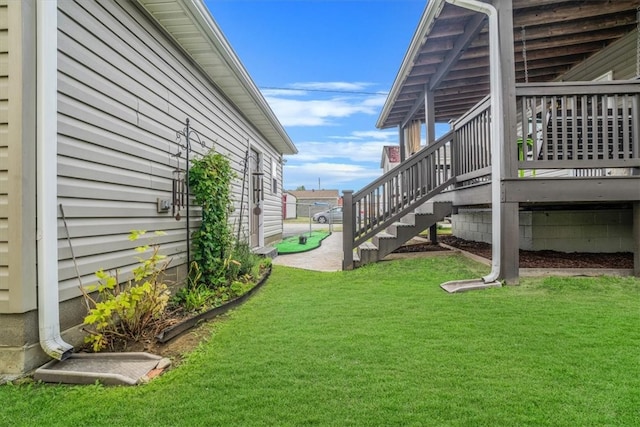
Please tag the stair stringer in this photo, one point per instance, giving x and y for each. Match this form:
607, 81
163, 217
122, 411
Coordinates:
398, 233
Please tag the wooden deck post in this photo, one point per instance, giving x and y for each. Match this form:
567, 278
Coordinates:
509, 256
510, 233
347, 229
403, 150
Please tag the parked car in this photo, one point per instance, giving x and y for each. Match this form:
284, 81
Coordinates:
332, 215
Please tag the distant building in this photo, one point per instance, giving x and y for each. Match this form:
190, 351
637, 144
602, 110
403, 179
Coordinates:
390, 157
289, 206
313, 201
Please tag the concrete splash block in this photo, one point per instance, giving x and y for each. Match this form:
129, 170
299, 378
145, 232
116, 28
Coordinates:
107, 368
456, 286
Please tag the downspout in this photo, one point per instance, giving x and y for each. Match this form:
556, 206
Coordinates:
47, 179
496, 131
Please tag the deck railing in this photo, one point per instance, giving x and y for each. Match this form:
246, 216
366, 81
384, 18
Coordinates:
473, 145
396, 193
584, 127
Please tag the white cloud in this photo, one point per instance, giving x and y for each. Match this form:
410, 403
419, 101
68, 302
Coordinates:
303, 104
346, 161
331, 175
357, 146
358, 152
315, 112
385, 135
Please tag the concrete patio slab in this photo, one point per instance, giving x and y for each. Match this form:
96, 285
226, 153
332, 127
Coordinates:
327, 257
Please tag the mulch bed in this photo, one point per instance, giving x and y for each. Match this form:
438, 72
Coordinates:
533, 259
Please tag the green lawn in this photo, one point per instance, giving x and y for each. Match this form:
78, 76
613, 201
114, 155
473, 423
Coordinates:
385, 346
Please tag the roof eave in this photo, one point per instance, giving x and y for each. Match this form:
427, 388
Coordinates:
203, 23
431, 12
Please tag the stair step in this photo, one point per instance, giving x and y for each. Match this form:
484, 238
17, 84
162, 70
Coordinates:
367, 246
401, 231
266, 251
384, 235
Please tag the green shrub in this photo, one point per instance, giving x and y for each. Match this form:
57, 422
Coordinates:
126, 311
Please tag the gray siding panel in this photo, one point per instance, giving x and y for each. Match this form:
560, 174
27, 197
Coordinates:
619, 57
124, 91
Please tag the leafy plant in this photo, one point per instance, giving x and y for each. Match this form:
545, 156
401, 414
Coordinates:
195, 298
210, 181
126, 311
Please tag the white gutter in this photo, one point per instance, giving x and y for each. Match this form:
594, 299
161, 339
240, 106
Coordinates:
46, 190
497, 131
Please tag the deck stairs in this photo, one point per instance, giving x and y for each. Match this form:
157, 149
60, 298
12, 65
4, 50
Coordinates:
400, 232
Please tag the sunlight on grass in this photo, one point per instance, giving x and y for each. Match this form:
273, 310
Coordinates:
384, 345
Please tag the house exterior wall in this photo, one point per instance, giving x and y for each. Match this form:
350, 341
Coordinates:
17, 186
272, 199
17, 158
124, 89
592, 230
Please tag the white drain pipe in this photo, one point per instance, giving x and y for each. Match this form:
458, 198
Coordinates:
47, 179
497, 131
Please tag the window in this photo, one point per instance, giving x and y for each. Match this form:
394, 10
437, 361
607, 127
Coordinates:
274, 177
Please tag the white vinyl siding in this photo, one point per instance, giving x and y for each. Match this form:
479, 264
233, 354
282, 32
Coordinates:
4, 156
17, 158
124, 91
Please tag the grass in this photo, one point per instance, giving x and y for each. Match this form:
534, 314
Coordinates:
291, 245
384, 345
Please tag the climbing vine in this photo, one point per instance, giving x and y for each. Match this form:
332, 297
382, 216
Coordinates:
210, 182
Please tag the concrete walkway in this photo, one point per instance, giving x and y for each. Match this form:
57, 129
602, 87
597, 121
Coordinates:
328, 257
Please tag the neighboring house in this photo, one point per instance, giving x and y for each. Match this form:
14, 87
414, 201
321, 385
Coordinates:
543, 152
390, 157
289, 206
310, 202
93, 93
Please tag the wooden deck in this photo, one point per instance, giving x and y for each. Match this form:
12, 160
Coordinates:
576, 143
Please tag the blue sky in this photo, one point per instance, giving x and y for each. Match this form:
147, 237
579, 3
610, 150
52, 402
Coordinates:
325, 67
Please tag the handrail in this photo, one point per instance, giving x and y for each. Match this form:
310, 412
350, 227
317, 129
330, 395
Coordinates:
396, 193
418, 156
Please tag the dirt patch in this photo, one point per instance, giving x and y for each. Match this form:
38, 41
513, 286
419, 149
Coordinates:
547, 259
184, 342
175, 349
419, 246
